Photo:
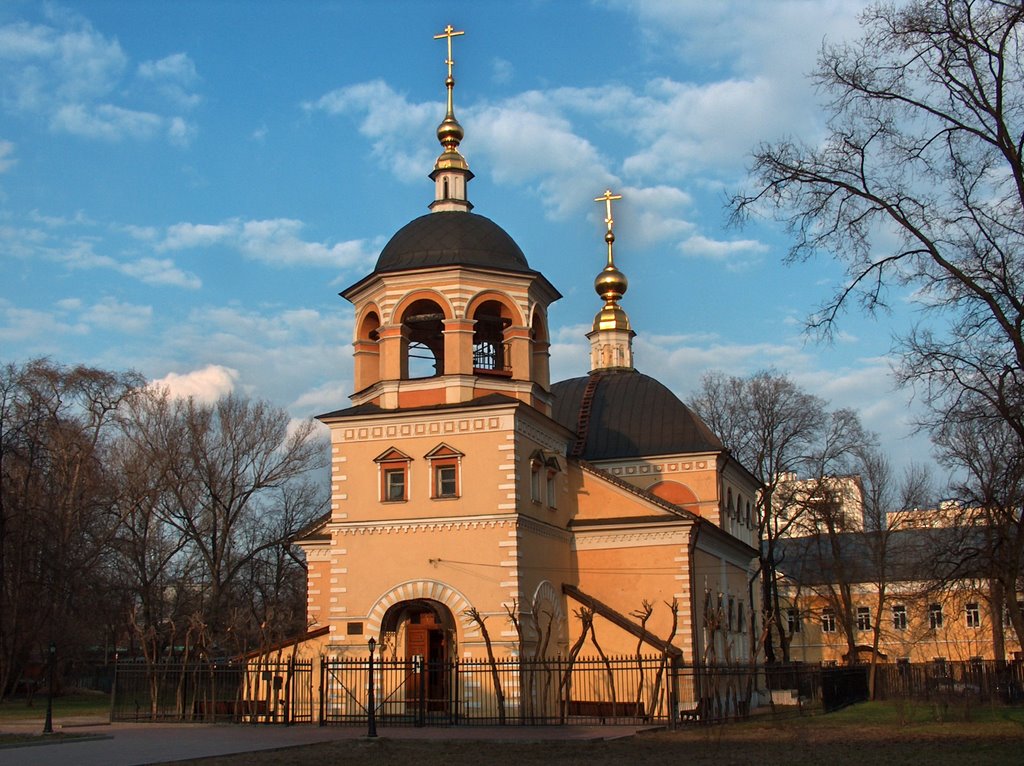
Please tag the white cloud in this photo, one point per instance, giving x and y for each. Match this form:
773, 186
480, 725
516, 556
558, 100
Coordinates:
105, 121
722, 250
7, 159
111, 314
207, 384
43, 329
74, 78
400, 130
502, 70
275, 241
159, 271
172, 77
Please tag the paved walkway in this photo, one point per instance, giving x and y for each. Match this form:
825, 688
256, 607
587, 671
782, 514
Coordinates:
138, 743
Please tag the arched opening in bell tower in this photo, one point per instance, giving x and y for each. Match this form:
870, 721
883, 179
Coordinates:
423, 332
491, 353
367, 351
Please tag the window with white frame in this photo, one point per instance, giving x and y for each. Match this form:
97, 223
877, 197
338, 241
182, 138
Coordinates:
828, 620
393, 469
793, 620
935, 616
395, 484
973, 615
552, 469
863, 618
544, 470
445, 472
899, 617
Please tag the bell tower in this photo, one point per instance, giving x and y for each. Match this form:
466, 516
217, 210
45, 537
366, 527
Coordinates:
452, 311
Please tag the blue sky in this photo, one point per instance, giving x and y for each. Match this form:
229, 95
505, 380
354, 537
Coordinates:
185, 187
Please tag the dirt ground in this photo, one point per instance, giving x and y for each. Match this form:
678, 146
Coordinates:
779, 743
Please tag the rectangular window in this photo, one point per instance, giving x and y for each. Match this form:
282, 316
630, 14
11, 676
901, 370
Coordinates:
899, 617
394, 484
863, 618
793, 620
446, 482
552, 497
741, 618
535, 482
828, 621
973, 616
732, 610
935, 616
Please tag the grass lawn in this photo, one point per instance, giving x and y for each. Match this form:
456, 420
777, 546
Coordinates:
80, 703
879, 734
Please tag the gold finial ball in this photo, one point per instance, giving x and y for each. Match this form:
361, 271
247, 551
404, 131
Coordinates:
611, 284
450, 133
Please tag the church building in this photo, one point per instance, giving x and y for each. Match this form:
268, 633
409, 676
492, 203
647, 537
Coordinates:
470, 495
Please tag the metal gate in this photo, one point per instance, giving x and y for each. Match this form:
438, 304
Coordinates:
514, 691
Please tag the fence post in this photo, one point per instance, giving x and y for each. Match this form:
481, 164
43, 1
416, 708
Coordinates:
289, 680
323, 690
113, 690
371, 730
456, 693
421, 706
672, 688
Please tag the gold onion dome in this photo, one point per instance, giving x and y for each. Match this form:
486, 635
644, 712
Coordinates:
450, 132
611, 284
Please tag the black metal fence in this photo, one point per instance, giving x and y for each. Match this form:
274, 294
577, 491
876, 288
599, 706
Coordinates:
982, 681
621, 690
254, 691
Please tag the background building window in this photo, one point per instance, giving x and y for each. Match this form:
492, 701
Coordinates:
793, 620
935, 616
899, 617
863, 618
973, 615
828, 621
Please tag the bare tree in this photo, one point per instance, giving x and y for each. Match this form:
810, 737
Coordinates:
920, 183
57, 509
990, 461
779, 433
235, 490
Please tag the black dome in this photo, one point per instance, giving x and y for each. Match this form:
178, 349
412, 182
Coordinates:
631, 415
451, 238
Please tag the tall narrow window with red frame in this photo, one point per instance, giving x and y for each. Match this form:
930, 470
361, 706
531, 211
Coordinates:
445, 472
393, 467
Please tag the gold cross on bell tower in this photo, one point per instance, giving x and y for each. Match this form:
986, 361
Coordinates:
609, 236
449, 32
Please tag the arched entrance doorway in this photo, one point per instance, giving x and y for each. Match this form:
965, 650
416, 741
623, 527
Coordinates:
422, 633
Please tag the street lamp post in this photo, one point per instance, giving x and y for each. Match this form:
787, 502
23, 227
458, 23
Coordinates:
51, 656
371, 726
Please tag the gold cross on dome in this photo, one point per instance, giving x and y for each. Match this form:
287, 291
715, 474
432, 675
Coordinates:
607, 198
449, 32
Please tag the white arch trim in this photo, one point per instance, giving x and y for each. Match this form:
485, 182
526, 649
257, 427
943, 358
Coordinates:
411, 590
